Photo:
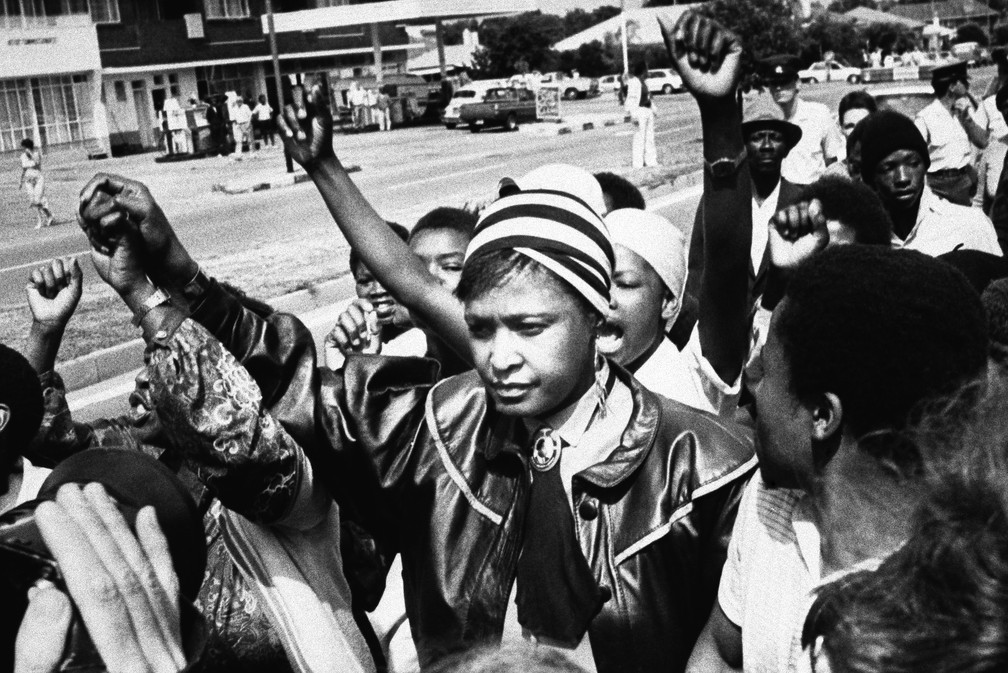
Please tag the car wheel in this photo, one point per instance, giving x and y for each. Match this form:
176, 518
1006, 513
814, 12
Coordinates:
571, 93
511, 123
474, 127
854, 79
449, 126
667, 89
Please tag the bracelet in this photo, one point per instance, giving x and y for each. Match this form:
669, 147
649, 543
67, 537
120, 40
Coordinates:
150, 303
194, 290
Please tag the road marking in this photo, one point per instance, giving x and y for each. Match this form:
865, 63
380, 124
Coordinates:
675, 197
40, 262
77, 401
492, 167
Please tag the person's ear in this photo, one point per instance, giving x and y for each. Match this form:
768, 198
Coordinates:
5, 416
827, 417
670, 307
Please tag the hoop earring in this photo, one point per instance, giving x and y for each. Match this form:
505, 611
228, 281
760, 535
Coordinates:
600, 382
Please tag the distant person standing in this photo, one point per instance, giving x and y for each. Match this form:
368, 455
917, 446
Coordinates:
821, 143
638, 104
950, 130
358, 102
383, 106
33, 182
262, 118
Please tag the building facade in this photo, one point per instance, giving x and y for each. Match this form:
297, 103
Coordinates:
130, 57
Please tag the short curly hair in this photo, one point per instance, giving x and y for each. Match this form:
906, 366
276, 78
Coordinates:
444, 217
884, 330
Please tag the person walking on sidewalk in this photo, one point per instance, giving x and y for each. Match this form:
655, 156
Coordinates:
262, 119
383, 103
639, 105
33, 183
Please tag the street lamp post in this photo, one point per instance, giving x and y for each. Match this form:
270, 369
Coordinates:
623, 35
281, 103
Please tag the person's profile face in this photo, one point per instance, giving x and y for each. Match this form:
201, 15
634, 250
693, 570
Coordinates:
367, 287
854, 162
635, 320
851, 118
532, 345
443, 252
783, 444
899, 180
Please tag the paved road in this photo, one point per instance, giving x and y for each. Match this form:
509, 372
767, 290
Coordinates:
404, 174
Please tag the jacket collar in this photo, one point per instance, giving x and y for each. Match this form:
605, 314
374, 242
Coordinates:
463, 413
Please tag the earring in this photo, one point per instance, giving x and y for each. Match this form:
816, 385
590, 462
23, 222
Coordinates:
600, 381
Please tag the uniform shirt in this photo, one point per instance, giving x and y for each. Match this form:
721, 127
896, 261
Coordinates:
991, 119
943, 227
263, 112
633, 95
948, 144
820, 140
243, 114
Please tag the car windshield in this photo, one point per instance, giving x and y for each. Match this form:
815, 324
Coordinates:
465, 94
908, 103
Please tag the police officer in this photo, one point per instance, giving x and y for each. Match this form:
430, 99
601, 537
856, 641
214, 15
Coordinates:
951, 132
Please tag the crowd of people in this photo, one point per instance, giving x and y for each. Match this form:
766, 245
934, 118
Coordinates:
554, 435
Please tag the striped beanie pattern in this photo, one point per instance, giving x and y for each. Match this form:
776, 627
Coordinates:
557, 230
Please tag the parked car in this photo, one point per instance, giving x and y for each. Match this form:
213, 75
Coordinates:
972, 53
470, 93
504, 106
830, 71
610, 83
664, 81
908, 99
571, 86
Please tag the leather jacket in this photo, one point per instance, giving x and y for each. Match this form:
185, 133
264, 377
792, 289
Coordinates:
432, 472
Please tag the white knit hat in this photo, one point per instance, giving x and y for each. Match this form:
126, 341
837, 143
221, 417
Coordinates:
659, 242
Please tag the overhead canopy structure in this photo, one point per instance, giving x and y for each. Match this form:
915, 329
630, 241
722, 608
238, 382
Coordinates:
868, 16
422, 12
642, 27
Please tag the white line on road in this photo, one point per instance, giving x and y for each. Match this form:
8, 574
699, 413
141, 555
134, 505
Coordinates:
675, 197
28, 265
443, 176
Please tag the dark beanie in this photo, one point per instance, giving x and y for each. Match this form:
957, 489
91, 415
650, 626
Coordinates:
885, 132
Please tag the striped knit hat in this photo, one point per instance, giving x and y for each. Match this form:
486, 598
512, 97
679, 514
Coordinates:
557, 230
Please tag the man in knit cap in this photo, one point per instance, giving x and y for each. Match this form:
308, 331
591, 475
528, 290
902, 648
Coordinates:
894, 162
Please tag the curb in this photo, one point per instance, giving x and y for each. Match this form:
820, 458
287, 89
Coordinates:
284, 180
562, 128
111, 362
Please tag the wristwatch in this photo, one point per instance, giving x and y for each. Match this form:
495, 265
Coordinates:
197, 287
159, 297
725, 166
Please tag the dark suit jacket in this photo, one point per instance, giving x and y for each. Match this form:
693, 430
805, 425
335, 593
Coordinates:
683, 327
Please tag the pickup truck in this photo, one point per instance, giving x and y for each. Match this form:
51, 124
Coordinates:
571, 88
500, 107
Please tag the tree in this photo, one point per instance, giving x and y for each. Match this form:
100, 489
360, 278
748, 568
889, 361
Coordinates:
526, 37
767, 27
970, 32
841, 6
828, 33
889, 37
577, 20
453, 31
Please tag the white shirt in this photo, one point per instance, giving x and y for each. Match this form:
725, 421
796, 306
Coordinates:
761, 216
948, 144
633, 95
991, 119
263, 112
943, 227
243, 114
772, 566
821, 139
686, 377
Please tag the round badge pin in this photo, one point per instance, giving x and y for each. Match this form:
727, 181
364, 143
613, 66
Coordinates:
545, 452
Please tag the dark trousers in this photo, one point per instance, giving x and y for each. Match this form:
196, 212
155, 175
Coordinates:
957, 185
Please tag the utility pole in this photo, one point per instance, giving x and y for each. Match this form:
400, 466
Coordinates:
281, 103
623, 35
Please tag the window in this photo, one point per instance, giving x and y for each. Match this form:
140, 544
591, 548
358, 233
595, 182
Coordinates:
104, 11
120, 91
226, 9
55, 109
21, 13
215, 80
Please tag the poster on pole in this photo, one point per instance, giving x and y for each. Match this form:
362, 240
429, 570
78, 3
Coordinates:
548, 104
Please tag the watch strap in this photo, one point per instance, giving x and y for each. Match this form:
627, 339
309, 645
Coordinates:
195, 289
157, 299
725, 166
